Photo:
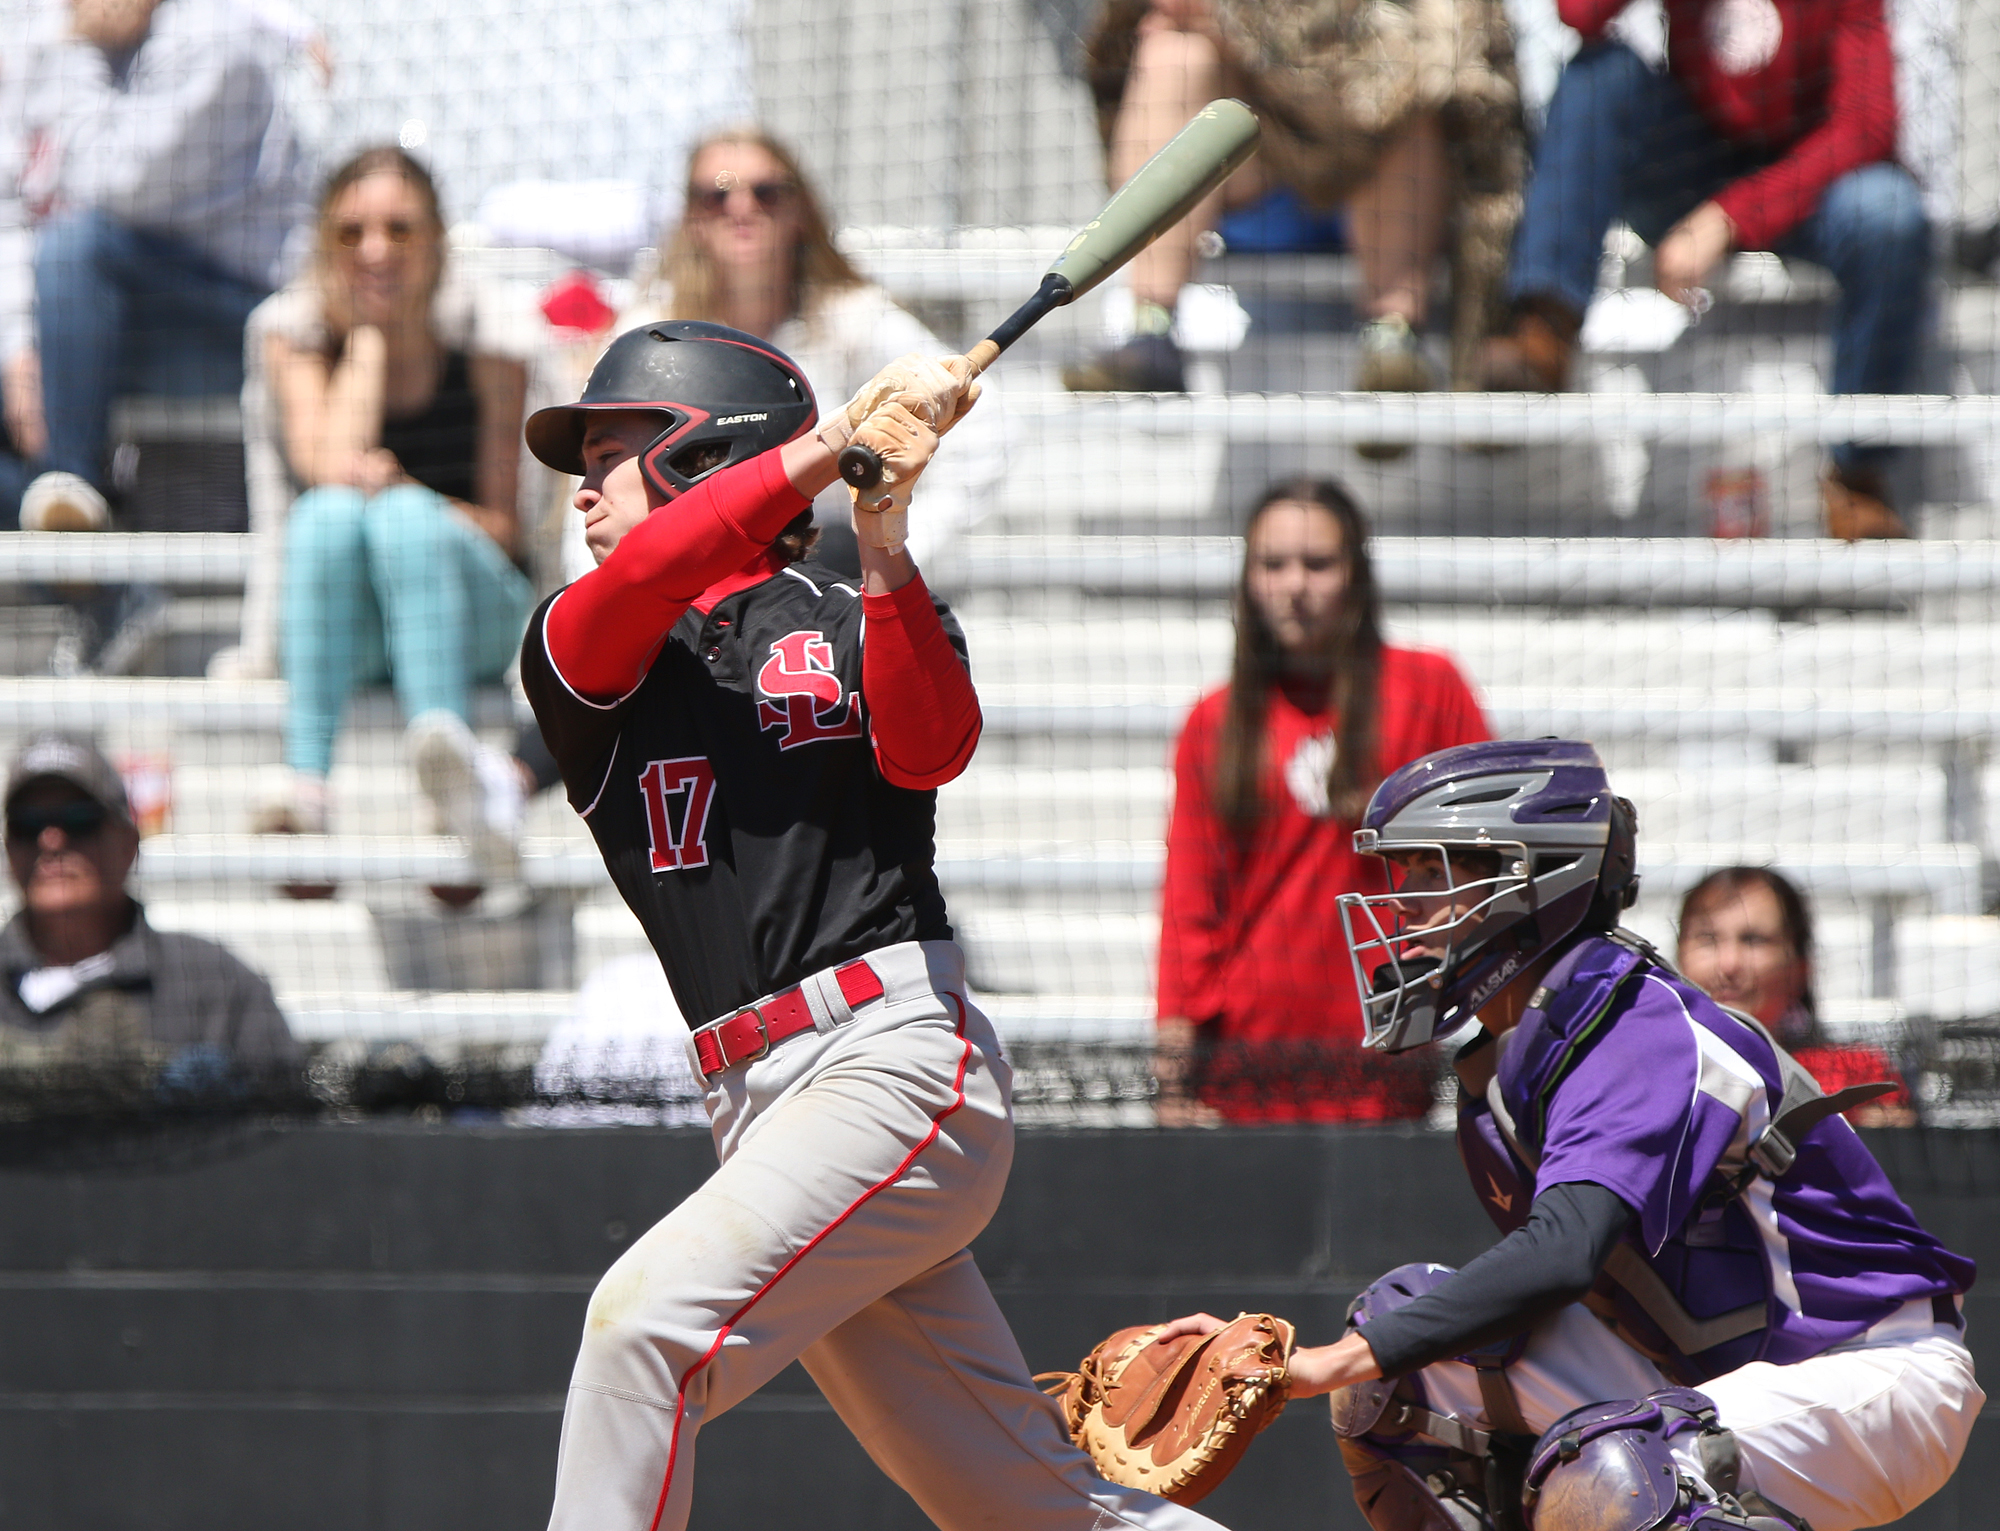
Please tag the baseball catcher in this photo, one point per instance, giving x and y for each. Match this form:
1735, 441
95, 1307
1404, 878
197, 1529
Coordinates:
1708, 1307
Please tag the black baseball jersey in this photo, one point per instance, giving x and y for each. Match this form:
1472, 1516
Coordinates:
736, 798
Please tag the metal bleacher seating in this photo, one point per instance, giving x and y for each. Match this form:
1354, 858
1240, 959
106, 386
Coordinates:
1826, 709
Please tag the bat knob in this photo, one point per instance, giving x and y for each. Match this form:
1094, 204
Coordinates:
860, 466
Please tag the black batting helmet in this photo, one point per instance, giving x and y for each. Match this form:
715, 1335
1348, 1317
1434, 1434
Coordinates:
722, 397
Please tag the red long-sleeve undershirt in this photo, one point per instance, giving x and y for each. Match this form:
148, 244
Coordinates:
927, 736
605, 631
1826, 97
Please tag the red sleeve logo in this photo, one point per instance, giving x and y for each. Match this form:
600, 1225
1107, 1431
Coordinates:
803, 695
678, 830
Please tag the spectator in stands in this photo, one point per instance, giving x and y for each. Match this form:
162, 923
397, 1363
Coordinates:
401, 423
1407, 115
161, 179
753, 250
87, 978
1259, 1020
1746, 938
1773, 128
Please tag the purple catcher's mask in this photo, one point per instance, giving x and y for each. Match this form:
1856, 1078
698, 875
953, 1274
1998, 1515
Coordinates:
1496, 852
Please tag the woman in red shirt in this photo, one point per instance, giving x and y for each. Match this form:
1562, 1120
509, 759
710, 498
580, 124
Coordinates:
1258, 1018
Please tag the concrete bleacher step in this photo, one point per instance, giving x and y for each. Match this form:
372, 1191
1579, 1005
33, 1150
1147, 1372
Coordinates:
1093, 649
1487, 420
1829, 806
1833, 655
1048, 807
1080, 473
1755, 721
605, 931
1946, 877
1853, 666
1948, 966
559, 862
371, 788
301, 946
119, 706
445, 1022
1085, 952
1652, 573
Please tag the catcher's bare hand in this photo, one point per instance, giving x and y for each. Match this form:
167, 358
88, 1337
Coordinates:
1194, 1323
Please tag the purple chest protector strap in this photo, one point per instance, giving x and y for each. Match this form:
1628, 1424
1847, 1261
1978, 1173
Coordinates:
1545, 1045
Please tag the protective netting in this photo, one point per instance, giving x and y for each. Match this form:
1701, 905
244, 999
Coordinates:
1641, 560
94, 1111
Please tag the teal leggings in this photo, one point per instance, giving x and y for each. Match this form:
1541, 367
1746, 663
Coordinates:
390, 587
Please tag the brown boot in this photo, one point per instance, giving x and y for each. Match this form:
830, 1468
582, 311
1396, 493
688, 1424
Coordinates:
1856, 506
1535, 355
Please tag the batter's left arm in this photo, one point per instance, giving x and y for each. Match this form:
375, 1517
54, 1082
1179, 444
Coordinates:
923, 712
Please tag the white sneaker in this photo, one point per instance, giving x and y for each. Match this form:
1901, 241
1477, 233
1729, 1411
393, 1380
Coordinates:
63, 502
474, 790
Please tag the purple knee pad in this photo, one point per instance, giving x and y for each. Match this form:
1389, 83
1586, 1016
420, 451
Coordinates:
1359, 1407
1611, 1467
1413, 1469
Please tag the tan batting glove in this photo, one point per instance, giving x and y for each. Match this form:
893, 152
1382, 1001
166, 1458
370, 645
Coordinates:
937, 389
906, 444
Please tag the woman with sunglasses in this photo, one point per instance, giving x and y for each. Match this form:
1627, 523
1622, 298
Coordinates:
399, 414
753, 250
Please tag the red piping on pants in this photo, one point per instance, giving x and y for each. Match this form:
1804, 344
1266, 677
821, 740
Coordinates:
680, 1396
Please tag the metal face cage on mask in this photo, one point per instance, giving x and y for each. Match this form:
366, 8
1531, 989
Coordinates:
1393, 938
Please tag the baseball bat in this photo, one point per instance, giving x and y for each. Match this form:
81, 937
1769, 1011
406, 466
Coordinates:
1160, 193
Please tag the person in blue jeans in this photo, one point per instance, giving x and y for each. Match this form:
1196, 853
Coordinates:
164, 183
398, 554
1772, 128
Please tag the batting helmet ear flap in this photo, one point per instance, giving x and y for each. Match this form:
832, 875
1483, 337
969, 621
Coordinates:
653, 465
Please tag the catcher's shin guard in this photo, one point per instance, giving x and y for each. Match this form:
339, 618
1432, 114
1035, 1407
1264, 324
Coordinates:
1399, 1493
1611, 1467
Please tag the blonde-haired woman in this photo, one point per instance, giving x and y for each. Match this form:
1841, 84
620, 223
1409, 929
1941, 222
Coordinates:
403, 436
754, 250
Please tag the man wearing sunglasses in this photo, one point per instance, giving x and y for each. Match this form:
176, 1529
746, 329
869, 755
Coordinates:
84, 979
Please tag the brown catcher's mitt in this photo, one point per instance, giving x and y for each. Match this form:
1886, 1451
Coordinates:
1174, 1416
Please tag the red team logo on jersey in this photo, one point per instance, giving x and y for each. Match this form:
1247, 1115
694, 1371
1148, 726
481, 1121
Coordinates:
678, 830
805, 695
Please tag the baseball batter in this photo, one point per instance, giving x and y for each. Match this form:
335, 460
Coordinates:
1709, 1308
755, 746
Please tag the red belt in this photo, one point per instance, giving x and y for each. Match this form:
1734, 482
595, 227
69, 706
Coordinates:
754, 1030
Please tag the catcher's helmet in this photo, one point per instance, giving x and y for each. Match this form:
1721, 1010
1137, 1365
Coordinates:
1565, 852
722, 397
